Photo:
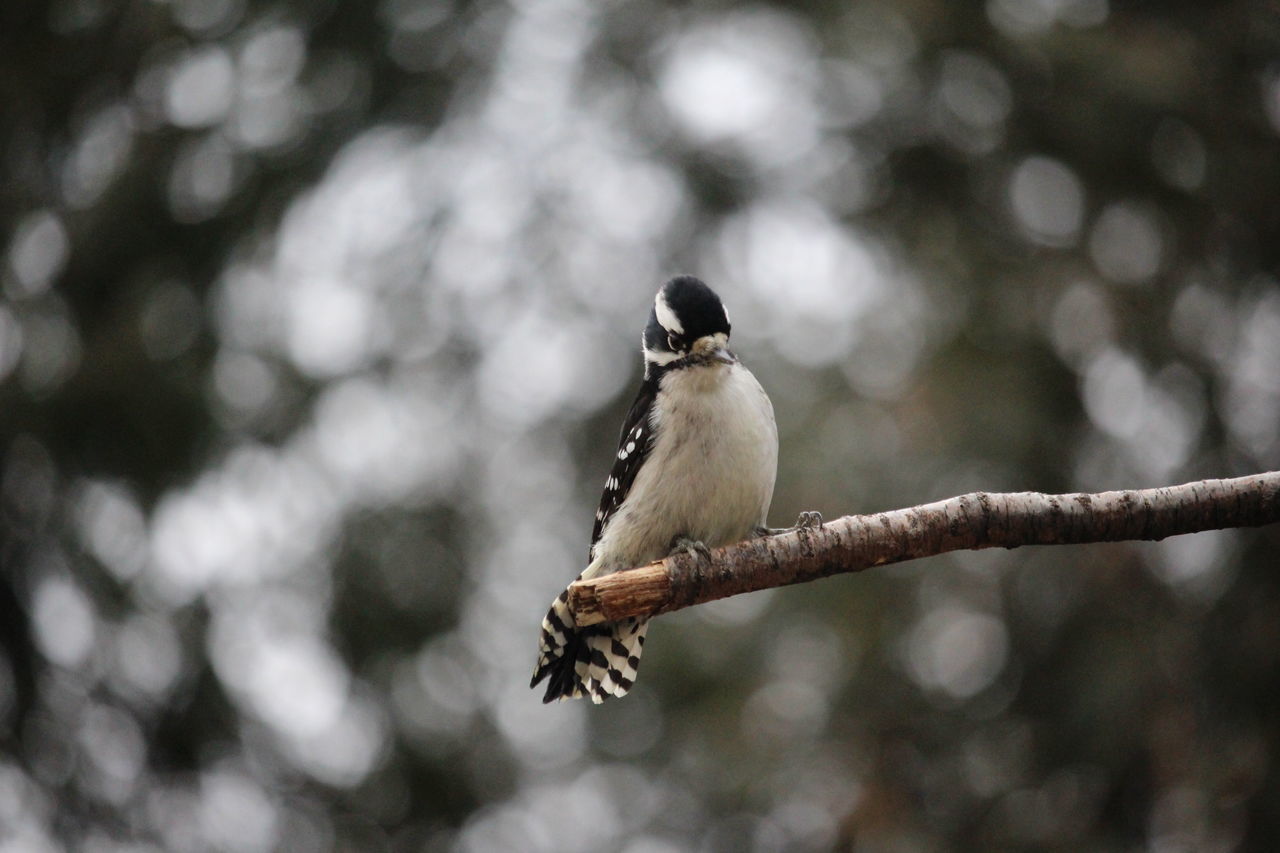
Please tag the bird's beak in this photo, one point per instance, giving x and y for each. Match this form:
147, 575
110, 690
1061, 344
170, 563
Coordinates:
715, 348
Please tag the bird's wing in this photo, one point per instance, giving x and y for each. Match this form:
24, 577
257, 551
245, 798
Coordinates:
633, 449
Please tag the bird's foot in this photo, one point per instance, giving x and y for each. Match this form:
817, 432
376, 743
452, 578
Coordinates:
808, 520
686, 545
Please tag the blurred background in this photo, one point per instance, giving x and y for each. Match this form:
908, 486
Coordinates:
318, 321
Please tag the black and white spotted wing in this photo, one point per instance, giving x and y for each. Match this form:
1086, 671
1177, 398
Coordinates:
633, 449
599, 660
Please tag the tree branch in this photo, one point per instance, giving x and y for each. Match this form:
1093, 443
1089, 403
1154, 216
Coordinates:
977, 520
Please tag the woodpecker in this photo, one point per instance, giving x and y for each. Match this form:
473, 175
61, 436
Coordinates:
695, 468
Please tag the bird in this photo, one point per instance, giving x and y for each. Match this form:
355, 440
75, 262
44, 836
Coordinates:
695, 468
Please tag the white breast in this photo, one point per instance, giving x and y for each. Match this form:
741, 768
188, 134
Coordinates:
709, 475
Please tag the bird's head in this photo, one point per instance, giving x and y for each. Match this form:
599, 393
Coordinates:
688, 327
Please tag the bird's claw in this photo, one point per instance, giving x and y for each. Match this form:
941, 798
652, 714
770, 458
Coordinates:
694, 547
808, 520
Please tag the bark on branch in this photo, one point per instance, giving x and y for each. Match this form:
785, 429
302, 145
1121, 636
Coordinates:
977, 520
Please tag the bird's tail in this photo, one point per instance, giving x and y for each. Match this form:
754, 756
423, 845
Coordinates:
596, 660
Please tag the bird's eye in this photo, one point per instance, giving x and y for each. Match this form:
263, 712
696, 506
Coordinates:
673, 342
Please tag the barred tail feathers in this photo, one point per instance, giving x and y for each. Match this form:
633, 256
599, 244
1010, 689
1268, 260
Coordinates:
613, 660
597, 660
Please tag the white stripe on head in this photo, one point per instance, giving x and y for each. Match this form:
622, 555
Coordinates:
655, 355
660, 357
666, 316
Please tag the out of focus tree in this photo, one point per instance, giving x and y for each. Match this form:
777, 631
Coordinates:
317, 321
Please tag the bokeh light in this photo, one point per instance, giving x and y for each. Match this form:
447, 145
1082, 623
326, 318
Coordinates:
317, 322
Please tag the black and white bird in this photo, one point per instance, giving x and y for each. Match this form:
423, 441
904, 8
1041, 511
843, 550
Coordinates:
695, 467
